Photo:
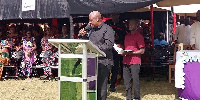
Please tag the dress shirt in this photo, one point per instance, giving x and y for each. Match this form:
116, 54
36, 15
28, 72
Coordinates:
183, 34
133, 42
195, 34
103, 38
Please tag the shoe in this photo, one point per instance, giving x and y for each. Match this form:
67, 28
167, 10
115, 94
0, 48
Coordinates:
112, 89
136, 99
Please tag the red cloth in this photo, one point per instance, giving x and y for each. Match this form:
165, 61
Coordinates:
116, 83
174, 24
55, 23
75, 36
133, 42
104, 19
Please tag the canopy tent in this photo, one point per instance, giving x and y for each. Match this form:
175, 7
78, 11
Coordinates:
170, 3
182, 7
12, 9
107, 6
155, 8
145, 9
187, 14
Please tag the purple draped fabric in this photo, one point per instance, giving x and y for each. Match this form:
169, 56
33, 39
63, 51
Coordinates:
91, 71
192, 82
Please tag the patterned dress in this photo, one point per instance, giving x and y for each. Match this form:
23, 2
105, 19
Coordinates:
15, 56
47, 56
4, 55
28, 60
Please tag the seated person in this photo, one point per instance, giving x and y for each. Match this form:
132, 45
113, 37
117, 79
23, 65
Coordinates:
4, 55
160, 41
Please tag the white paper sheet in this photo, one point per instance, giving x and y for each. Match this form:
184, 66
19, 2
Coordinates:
119, 50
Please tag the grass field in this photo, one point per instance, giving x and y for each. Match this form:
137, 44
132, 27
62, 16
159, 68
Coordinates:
37, 89
150, 90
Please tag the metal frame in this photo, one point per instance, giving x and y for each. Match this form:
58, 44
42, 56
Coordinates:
167, 29
59, 70
84, 73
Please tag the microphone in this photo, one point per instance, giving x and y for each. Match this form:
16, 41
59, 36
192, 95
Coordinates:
87, 29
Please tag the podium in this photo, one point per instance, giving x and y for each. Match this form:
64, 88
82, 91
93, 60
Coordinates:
74, 56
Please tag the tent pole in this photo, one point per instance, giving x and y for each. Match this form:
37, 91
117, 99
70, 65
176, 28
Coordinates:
152, 26
71, 27
174, 26
152, 32
167, 30
59, 71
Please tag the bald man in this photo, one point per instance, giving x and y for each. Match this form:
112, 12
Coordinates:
195, 33
102, 35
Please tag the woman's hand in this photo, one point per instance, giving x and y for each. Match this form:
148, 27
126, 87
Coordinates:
29, 53
17, 48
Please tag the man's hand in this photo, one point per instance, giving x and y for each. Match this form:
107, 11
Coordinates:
139, 52
125, 53
82, 32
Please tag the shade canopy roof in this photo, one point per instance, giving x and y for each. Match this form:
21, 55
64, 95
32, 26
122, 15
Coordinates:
107, 6
155, 8
12, 9
187, 14
170, 3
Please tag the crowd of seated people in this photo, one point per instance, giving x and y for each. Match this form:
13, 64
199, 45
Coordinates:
28, 46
